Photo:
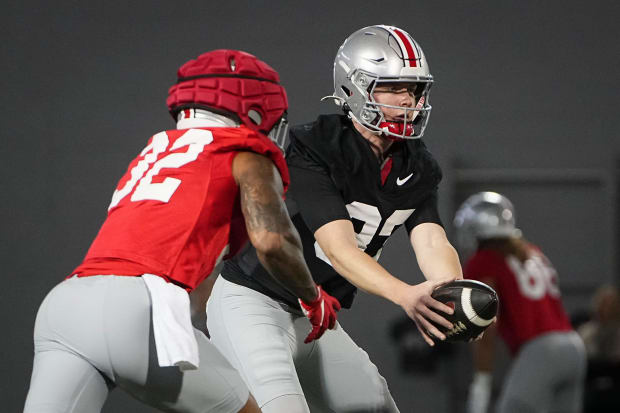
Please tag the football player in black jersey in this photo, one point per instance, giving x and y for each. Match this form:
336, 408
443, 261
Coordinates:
355, 178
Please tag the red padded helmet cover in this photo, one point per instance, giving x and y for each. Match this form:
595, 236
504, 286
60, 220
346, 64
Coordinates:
233, 82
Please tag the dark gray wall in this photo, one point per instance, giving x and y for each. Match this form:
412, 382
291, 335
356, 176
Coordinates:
522, 84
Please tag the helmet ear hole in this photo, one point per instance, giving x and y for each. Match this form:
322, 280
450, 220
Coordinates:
255, 117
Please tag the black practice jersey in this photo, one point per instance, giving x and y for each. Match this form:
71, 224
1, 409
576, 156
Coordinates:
336, 175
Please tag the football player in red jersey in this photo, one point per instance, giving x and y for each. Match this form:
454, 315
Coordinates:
549, 363
189, 200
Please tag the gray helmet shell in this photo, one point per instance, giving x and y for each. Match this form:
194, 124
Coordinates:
482, 216
375, 55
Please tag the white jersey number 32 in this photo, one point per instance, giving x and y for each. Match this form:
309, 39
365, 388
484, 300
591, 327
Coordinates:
142, 174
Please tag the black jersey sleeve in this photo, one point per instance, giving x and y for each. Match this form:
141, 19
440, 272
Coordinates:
427, 212
316, 196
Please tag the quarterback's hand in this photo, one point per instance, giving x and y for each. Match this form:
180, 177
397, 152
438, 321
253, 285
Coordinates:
417, 302
321, 313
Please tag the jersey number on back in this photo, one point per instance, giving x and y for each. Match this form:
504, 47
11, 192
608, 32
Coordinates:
194, 139
535, 277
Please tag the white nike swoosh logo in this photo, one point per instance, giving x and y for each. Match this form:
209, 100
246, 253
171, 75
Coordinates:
399, 181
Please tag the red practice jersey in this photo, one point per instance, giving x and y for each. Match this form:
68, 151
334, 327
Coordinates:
529, 295
176, 211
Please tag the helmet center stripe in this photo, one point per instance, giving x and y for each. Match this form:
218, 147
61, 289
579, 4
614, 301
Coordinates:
411, 57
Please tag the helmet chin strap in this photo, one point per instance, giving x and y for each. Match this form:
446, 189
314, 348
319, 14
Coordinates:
402, 128
398, 128
386, 128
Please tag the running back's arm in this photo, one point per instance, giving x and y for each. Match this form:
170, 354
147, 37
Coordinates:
269, 227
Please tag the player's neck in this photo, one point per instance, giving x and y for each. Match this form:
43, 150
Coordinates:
379, 144
200, 118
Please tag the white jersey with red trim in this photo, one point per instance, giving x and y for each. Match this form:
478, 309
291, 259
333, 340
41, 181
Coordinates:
176, 211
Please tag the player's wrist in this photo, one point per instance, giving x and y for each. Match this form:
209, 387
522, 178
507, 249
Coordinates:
402, 294
312, 296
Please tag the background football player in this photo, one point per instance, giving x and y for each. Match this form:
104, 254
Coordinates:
356, 178
549, 363
190, 199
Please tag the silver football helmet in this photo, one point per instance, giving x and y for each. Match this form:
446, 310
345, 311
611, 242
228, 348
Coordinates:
482, 216
375, 55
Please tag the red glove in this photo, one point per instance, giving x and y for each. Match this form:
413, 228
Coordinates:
321, 313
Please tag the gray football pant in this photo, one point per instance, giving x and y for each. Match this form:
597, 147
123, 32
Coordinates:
263, 339
94, 333
546, 376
